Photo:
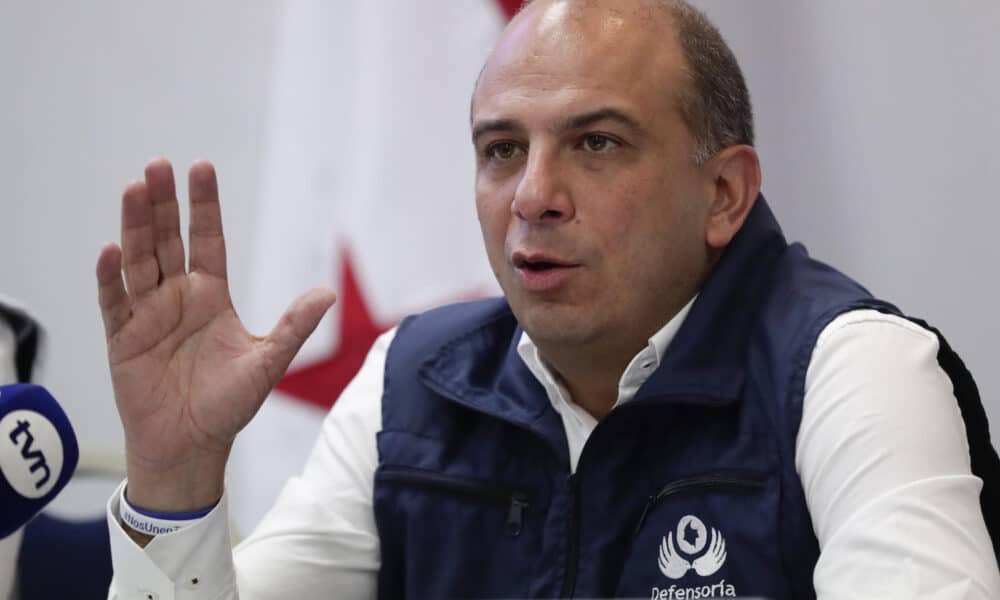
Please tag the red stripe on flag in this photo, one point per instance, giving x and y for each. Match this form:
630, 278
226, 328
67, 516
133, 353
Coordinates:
510, 7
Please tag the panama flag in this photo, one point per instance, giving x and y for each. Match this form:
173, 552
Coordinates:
367, 186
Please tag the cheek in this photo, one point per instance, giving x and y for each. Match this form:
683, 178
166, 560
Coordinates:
645, 231
624, 217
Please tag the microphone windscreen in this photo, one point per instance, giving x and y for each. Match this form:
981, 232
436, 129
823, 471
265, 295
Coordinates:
38, 453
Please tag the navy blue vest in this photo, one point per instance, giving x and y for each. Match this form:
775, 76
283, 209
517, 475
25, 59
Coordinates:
689, 491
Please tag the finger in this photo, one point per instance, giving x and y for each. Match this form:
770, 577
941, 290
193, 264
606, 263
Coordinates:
142, 272
297, 324
111, 294
208, 247
166, 218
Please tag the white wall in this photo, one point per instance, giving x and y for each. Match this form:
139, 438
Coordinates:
877, 125
89, 91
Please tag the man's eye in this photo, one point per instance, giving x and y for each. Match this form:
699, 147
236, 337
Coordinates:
502, 150
596, 142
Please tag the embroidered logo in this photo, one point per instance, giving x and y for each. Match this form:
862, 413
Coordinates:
676, 559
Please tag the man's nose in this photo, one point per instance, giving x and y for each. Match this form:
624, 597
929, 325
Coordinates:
543, 195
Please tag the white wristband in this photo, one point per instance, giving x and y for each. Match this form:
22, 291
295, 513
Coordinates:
154, 523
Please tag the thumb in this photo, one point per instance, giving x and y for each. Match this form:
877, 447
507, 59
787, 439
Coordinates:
294, 327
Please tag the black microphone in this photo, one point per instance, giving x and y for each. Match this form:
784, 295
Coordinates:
38, 453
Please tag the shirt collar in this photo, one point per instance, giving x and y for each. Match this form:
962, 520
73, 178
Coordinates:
642, 365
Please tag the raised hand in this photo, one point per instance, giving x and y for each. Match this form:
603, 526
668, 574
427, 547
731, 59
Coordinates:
187, 375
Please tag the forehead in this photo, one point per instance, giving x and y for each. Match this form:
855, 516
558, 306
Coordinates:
615, 52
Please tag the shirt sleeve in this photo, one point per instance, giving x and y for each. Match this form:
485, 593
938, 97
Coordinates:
884, 462
319, 536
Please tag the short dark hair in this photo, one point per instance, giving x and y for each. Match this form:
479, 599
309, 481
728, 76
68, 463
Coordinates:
716, 108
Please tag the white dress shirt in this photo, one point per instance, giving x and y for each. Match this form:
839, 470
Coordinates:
881, 452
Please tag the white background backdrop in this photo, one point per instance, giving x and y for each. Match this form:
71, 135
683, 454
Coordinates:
877, 124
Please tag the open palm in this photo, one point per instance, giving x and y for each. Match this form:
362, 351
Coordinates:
187, 375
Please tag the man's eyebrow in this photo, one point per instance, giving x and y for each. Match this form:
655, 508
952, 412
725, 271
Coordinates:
567, 124
494, 126
596, 116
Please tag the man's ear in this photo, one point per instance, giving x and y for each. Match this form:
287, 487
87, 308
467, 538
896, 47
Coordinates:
735, 183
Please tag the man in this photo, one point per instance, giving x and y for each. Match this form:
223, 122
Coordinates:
668, 402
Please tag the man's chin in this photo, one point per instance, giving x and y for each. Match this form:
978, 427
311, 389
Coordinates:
555, 324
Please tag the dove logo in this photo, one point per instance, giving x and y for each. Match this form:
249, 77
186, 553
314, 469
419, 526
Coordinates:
695, 548
692, 537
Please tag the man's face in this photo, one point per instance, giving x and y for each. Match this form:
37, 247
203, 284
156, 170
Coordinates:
590, 202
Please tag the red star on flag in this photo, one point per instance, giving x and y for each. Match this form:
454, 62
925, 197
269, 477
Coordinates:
320, 383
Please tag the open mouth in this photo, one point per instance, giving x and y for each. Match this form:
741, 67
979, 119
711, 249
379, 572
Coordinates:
541, 273
539, 266
537, 263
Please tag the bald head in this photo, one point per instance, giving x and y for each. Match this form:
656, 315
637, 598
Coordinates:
713, 98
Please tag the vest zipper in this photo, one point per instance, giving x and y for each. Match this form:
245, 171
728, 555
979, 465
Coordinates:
573, 544
745, 482
496, 493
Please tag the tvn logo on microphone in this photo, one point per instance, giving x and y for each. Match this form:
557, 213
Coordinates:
31, 453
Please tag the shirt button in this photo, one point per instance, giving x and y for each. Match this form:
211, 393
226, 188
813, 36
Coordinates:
193, 582
148, 595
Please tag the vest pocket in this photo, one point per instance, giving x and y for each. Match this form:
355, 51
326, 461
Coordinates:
514, 499
734, 481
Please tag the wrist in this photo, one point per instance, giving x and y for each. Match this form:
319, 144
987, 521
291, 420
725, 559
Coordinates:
153, 523
185, 489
